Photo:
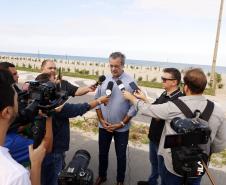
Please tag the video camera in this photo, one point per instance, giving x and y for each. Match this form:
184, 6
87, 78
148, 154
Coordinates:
189, 132
76, 173
40, 96
186, 145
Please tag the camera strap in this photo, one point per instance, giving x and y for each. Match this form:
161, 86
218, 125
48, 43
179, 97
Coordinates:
205, 115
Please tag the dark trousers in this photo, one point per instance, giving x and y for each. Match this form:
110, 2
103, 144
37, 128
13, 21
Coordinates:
154, 159
51, 167
168, 178
121, 141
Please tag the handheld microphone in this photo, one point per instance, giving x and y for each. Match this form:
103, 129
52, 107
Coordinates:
109, 88
100, 80
134, 86
120, 85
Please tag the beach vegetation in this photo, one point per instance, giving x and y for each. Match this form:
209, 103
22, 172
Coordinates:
218, 78
85, 74
220, 86
140, 78
154, 80
138, 132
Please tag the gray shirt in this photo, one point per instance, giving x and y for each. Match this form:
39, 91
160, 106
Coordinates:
169, 110
117, 107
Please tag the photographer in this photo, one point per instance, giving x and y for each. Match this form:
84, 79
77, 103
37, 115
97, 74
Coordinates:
11, 172
194, 85
53, 163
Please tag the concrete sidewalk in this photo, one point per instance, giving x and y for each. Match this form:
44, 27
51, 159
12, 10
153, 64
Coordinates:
138, 166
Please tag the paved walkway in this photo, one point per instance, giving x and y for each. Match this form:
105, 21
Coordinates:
137, 163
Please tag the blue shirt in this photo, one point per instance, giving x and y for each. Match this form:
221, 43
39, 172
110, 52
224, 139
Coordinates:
61, 126
117, 107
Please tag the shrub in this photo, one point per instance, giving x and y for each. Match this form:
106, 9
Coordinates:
140, 78
220, 86
218, 78
154, 80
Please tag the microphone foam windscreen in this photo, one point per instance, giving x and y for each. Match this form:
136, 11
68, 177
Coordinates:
120, 85
109, 88
101, 78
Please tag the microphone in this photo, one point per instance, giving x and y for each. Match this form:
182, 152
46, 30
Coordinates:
109, 88
100, 80
120, 85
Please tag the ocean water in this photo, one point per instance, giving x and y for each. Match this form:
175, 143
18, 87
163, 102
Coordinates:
206, 68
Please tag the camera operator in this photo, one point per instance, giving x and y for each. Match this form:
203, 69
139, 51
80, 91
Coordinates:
170, 81
49, 66
17, 144
63, 137
11, 172
53, 162
194, 85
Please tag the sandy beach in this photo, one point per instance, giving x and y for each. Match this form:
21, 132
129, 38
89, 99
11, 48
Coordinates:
146, 73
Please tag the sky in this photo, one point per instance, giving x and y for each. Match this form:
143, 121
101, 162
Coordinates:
181, 31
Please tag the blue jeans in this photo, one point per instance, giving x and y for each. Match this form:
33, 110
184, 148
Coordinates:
168, 178
121, 141
155, 168
18, 147
51, 167
47, 172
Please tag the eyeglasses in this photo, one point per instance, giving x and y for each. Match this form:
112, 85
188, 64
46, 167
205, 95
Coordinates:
165, 79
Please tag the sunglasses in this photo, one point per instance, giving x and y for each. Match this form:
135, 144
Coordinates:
165, 79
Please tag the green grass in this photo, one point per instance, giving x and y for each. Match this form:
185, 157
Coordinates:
138, 133
150, 84
219, 159
71, 74
208, 91
28, 69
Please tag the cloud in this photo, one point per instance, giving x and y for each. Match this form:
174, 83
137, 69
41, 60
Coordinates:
188, 8
144, 29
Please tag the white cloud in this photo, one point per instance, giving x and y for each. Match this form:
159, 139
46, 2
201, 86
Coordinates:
179, 37
191, 8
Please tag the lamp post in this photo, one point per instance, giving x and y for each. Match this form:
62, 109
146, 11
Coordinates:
213, 71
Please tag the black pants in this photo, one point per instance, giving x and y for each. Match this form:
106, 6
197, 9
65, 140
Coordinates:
121, 141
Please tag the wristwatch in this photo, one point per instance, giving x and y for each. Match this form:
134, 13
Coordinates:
122, 123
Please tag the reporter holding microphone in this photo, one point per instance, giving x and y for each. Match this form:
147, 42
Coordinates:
194, 85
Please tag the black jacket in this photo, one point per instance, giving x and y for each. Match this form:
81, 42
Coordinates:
157, 125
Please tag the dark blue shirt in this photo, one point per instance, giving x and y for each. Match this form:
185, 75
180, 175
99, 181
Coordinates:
61, 126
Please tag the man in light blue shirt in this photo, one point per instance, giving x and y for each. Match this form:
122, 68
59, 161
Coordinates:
114, 119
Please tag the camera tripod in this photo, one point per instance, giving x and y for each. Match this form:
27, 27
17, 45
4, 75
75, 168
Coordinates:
185, 178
